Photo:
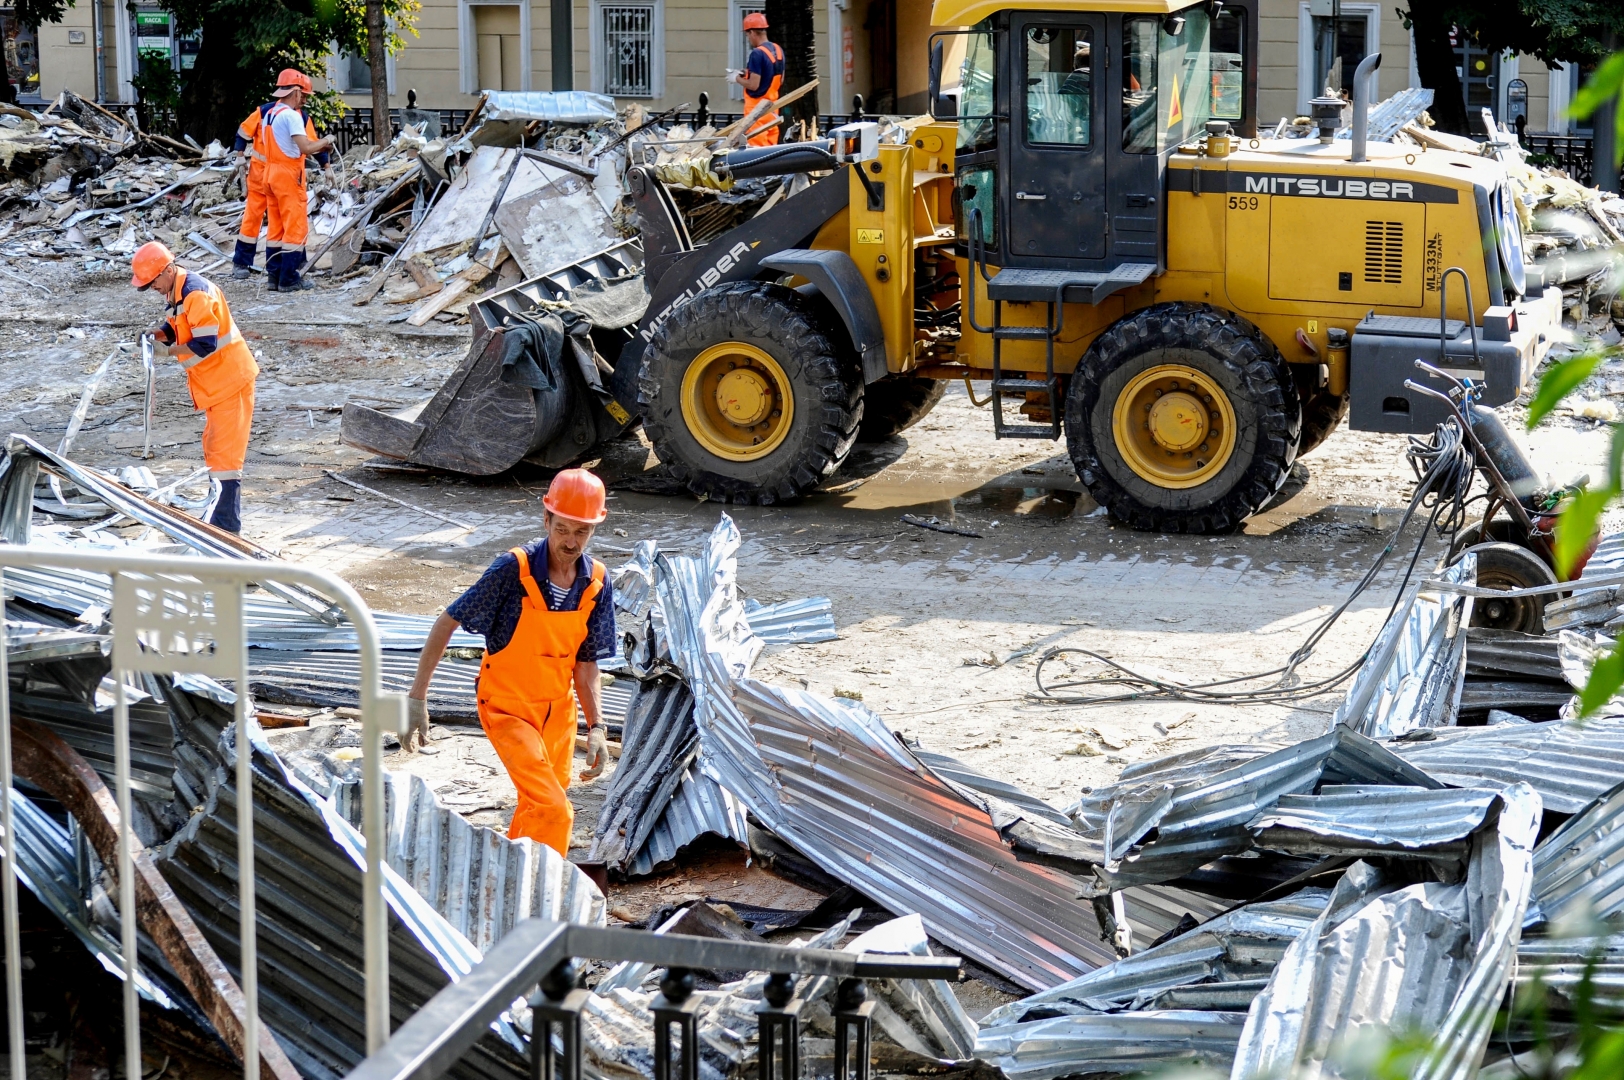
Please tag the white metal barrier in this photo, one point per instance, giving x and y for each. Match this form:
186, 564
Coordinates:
183, 615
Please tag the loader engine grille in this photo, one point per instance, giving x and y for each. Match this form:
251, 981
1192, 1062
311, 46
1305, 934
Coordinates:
1384, 252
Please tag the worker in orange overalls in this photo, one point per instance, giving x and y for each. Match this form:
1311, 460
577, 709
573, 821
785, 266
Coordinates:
285, 145
547, 613
248, 147
220, 371
762, 77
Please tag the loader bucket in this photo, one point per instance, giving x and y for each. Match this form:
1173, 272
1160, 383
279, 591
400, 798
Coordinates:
482, 424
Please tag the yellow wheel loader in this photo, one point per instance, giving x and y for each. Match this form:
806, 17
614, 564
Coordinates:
1095, 227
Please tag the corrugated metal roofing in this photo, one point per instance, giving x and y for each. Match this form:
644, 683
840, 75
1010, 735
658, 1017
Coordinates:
1579, 868
1129, 1042
1373, 819
832, 781
1567, 762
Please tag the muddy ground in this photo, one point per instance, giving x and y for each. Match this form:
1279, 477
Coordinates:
940, 633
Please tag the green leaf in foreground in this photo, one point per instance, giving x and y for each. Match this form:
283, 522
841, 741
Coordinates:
1557, 383
1606, 678
1576, 527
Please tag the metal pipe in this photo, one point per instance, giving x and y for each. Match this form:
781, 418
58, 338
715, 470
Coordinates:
1361, 102
8, 888
126, 868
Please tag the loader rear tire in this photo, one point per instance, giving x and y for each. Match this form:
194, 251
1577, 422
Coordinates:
1235, 394
1322, 414
896, 403
791, 416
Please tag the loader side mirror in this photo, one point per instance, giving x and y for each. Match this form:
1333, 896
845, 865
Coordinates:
940, 108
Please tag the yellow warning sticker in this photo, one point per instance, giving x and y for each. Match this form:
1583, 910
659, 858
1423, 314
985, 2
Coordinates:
1175, 112
871, 236
614, 409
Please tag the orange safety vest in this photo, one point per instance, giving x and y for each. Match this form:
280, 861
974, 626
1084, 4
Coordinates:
765, 131
254, 131
200, 311
536, 669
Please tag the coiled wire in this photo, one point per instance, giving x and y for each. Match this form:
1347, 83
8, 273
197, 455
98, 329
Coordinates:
1445, 467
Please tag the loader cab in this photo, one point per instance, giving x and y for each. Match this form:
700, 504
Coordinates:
1067, 117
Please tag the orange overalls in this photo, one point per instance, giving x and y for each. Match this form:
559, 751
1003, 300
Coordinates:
254, 131
765, 131
222, 381
286, 205
526, 698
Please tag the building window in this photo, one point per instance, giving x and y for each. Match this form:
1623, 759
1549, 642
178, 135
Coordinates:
1328, 50
738, 46
494, 42
628, 49
22, 53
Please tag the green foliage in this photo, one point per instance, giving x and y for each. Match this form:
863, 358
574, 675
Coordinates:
298, 33
326, 109
156, 84
1553, 30
1607, 84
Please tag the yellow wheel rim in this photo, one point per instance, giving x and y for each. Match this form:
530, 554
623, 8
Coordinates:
1174, 426
737, 401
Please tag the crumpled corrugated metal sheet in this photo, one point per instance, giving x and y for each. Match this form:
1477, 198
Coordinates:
831, 780
1129, 1042
699, 807
480, 881
1579, 868
1243, 944
1411, 677
1425, 957
792, 622
1374, 820
308, 863
1561, 966
1199, 816
1567, 762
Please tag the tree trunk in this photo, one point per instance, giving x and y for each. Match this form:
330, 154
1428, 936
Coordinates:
1604, 170
1435, 64
8, 93
378, 61
218, 91
795, 31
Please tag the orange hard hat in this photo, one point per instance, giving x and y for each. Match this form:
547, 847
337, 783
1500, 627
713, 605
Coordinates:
755, 21
151, 259
292, 79
578, 495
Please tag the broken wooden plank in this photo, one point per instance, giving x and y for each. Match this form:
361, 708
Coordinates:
477, 271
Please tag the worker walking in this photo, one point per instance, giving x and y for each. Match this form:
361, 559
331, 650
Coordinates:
251, 151
546, 611
762, 78
285, 147
220, 371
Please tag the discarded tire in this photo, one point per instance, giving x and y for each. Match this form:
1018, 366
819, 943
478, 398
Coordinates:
747, 398
1510, 566
896, 403
1183, 418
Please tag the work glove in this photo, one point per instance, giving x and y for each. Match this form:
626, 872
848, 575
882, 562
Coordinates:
597, 751
417, 725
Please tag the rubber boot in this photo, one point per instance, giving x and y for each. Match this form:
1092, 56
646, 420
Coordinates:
227, 510
242, 259
292, 263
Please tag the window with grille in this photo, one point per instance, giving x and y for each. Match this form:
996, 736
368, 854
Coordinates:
1384, 252
628, 49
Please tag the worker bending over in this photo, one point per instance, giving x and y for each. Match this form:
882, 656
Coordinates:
220, 371
251, 149
546, 611
762, 77
285, 147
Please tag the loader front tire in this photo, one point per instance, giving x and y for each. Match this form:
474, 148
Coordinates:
896, 403
747, 397
1322, 415
1183, 418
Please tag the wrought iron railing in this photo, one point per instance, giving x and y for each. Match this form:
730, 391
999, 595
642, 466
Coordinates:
1572, 154
355, 129
543, 956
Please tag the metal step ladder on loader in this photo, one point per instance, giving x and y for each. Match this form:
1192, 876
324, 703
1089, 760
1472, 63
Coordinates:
1054, 289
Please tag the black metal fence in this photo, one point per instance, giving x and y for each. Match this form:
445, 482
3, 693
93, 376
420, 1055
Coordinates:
356, 127
540, 953
1570, 153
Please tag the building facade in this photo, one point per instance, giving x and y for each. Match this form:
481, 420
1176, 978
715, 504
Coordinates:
664, 53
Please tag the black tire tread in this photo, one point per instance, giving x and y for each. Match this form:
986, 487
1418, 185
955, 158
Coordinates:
896, 403
766, 314
1241, 347
1322, 414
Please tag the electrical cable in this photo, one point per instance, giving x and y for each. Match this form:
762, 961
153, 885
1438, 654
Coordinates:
1445, 467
